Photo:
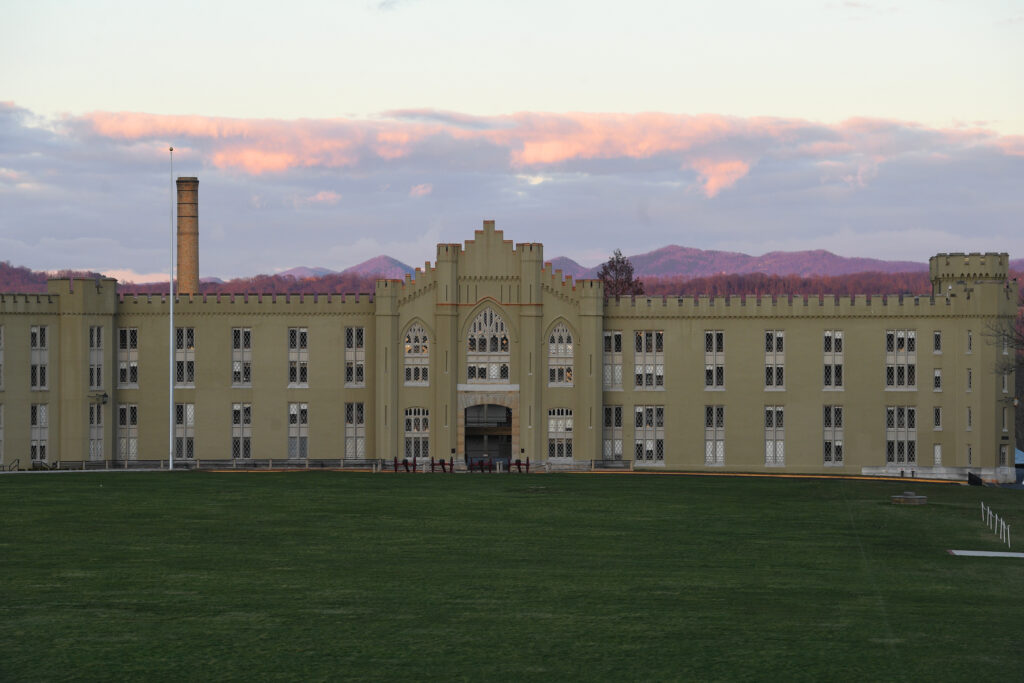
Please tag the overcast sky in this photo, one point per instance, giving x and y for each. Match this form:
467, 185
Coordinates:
327, 133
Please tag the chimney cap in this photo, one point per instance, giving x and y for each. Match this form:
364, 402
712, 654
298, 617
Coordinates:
185, 179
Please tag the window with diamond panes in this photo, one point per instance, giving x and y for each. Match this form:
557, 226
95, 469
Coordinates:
95, 357
298, 357
298, 431
714, 435
832, 426
560, 357
937, 454
128, 431
417, 357
241, 356
128, 357
774, 437
937, 418
560, 434
39, 431
714, 359
184, 430
95, 431
648, 360
612, 433
937, 342
39, 353
185, 356
487, 350
355, 431
774, 360
900, 360
937, 380
900, 435
355, 356
649, 434
833, 352
612, 360
417, 433
241, 431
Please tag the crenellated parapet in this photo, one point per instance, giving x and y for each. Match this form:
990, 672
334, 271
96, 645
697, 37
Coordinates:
950, 272
822, 306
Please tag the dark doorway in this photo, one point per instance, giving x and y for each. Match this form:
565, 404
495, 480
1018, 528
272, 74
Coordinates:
488, 435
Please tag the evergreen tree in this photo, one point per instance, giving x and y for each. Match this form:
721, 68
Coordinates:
617, 276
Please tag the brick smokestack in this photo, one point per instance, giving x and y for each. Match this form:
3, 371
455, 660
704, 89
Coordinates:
188, 235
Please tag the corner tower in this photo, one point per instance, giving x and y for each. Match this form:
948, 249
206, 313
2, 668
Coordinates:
188, 235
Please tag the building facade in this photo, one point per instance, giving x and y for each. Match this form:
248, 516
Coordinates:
489, 355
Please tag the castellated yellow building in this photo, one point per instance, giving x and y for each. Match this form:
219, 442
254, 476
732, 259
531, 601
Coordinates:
489, 356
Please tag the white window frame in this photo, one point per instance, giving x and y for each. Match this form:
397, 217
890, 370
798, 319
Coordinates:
241, 431
355, 430
184, 431
128, 431
241, 356
901, 360
714, 360
900, 435
612, 361
128, 357
714, 435
417, 357
95, 446
937, 380
937, 454
560, 428
774, 360
39, 432
649, 434
355, 357
417, 433
560, 356
492, 365
298, 431
833, 343
298, 357
774, 436
648, 360
185, 357
832, 420
937, 418
39, 352
611, 433
95, 357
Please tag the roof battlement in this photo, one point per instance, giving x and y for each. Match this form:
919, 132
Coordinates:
973, 266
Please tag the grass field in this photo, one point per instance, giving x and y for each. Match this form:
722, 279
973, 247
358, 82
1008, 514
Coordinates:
158, 576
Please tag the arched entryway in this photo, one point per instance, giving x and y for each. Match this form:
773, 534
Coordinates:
488, 434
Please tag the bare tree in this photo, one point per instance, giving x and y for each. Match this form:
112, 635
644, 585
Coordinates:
617, 276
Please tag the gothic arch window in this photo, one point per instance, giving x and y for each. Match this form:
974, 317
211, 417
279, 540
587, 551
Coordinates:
417, 356
560, 355
487, 349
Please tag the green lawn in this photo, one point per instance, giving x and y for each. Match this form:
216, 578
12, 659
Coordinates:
301, 576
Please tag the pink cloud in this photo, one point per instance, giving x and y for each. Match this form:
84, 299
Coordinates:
718, 175
421, 190
721, 149
324, 197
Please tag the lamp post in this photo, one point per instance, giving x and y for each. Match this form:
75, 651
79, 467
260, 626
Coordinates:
170, 336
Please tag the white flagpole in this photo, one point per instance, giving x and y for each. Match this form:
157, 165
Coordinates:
170, 337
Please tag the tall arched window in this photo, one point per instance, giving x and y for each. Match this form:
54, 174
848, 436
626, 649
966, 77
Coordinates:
560, 356
487, 354
417, 356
